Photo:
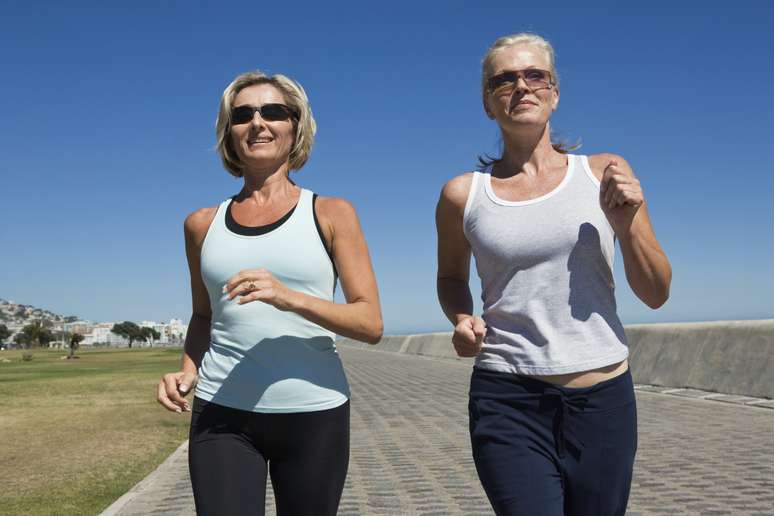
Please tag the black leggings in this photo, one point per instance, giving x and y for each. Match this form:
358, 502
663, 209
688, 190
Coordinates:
307, 455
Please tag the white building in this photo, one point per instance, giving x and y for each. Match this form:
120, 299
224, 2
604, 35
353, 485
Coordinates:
82, 327
177, 330
172, 332
101, 335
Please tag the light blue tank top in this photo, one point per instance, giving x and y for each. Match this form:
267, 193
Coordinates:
262, 359
546, 277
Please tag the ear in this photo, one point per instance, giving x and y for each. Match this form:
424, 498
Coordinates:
555, 101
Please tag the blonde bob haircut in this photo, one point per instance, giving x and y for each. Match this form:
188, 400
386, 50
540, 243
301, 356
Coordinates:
521, 38
295, 97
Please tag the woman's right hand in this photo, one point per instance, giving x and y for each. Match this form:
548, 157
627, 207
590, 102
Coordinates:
469, 336
172, 388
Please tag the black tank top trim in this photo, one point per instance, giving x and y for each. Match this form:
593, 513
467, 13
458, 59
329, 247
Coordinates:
322, 238
239, 229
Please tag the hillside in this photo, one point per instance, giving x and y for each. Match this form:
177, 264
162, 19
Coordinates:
17, 315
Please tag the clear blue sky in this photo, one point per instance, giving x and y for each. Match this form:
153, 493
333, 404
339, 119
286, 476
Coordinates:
107, 114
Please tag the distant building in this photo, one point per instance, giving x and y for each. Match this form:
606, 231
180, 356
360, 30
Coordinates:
172, 332
82, 327
159, 327
177, 330
16, 316
101, 335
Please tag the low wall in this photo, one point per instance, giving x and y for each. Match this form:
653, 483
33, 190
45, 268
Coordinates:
730, 357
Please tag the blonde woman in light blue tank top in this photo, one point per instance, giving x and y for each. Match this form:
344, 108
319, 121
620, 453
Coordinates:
271, 396
552, 409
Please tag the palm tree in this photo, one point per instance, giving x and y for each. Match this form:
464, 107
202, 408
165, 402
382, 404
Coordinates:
75, 340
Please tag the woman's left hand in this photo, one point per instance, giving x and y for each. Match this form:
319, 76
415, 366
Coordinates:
260, 285
620, 196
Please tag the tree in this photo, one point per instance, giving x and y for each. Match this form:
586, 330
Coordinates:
128, 330
34, 334
22, 339
75, 340
4, 332
150, 334
45, 336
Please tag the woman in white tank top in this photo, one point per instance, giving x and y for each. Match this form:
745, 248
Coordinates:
270, 391
552, 410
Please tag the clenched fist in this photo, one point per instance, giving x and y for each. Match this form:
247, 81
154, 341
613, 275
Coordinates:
469, 336
620, 196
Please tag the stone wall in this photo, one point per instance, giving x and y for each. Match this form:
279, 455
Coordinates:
731, 357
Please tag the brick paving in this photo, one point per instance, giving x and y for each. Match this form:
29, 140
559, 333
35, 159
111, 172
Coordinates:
410, 453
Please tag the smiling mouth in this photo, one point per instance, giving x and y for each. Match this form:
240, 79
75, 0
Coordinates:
259, 140
521, 105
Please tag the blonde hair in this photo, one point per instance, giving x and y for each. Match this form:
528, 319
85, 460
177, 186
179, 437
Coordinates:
295, 97
522, 38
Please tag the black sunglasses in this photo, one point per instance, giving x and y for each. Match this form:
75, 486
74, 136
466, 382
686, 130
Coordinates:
269, 112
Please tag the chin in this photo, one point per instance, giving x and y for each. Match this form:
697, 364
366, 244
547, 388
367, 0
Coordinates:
261, 156
520, 122
259, 153
262, 160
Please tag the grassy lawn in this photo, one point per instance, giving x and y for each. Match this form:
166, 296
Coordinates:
77, 434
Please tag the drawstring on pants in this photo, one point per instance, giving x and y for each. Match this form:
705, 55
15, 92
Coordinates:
565, 403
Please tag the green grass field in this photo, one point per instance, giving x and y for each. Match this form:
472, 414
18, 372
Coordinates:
77, 434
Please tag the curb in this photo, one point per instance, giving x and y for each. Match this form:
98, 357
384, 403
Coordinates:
145, 483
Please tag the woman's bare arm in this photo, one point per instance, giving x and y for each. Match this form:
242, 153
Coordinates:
621, 198
454, 268
173, 386
360, 317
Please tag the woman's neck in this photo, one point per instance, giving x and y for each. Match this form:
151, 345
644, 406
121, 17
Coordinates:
528, 152
267, 185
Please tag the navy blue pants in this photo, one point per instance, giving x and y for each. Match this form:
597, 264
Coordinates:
554, 451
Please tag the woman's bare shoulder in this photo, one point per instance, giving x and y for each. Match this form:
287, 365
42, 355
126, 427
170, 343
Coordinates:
456, 190
599, 162
198, 222
335, 209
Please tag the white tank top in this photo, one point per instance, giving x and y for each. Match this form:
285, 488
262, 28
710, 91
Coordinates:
546, 277
260, 358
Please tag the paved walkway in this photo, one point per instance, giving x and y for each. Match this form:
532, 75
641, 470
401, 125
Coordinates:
410, 452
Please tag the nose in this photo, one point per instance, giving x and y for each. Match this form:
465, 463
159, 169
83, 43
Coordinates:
520, 84
257, 120
520, 89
